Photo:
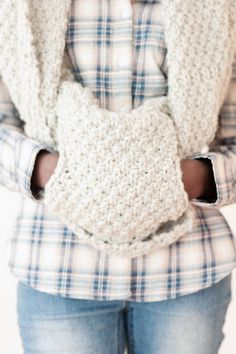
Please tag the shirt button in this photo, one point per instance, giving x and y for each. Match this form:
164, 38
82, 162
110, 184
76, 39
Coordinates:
205, 149
124, 109
123, 61
126, 13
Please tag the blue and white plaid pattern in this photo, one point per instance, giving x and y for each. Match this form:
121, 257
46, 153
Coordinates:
118, 50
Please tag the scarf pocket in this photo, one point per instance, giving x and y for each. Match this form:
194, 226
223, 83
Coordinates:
118, 182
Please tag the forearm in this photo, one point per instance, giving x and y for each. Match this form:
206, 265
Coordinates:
17, 159
45, 164
198, 179
223, 161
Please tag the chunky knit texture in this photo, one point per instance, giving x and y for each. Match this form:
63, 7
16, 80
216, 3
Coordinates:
125, 190
118, 181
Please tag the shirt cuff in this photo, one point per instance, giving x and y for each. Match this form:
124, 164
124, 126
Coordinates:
219, 183
27, 150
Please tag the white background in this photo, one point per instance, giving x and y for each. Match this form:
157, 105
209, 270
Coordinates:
9, 337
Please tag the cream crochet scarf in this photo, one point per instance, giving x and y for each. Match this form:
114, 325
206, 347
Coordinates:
118, 182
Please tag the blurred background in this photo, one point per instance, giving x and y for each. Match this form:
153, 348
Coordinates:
10, 340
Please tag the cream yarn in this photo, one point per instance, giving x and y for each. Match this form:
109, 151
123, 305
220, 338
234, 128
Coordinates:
118, 180
112, 175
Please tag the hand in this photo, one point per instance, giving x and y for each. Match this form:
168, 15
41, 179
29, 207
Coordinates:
44, 167
198, 179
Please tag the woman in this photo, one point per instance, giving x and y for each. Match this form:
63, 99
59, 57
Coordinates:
74, 298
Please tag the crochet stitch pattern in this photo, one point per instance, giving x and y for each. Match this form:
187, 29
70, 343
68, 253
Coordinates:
118, 183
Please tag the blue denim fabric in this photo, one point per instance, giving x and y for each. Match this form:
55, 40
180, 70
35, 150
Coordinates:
190, 324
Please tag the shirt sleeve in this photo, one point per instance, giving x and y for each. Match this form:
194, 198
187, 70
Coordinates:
222, 151
17, 151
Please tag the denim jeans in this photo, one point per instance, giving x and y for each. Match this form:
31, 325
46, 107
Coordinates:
190, 324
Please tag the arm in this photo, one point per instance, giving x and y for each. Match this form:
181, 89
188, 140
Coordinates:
221, 157
26, 165
18, 152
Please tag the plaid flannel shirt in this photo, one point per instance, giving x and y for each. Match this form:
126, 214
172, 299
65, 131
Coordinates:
118, 50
